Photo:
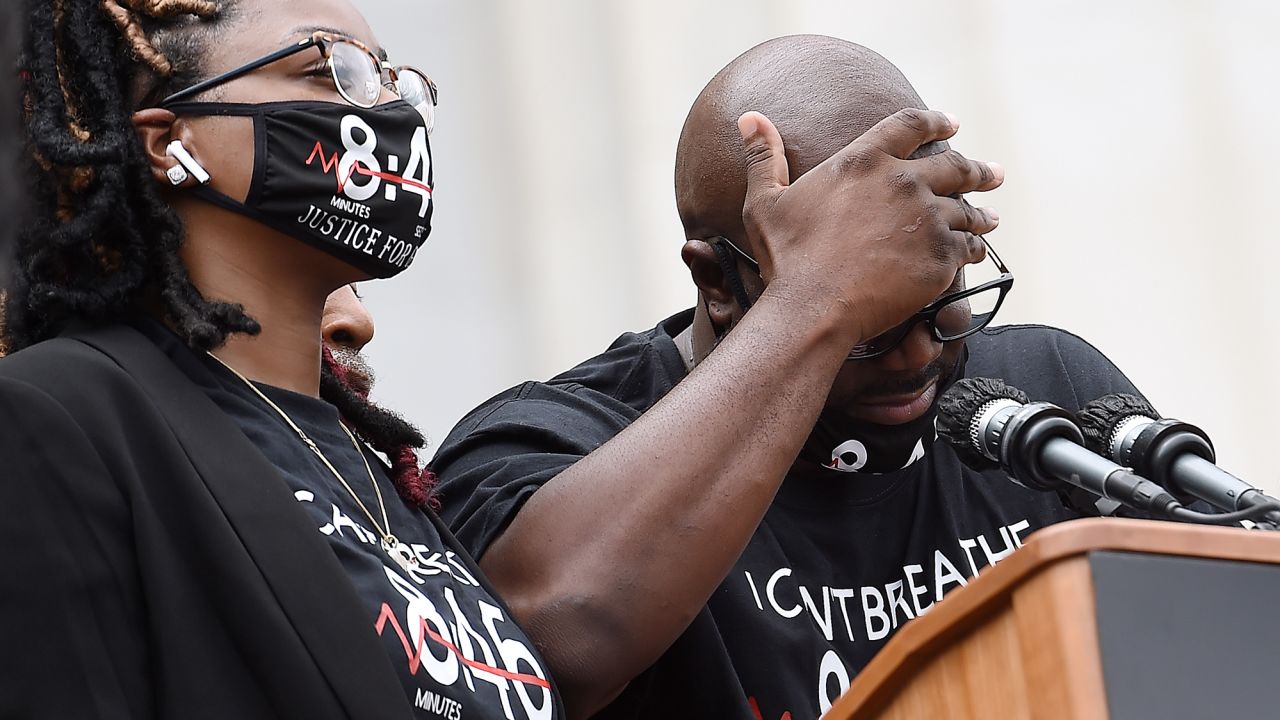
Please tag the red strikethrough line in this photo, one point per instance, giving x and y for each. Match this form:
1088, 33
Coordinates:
415, 654
331, 165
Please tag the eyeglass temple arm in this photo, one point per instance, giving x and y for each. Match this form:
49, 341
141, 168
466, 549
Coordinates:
741, 253
995, 255
230, 75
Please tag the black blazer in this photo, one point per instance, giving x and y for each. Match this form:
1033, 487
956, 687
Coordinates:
154, 565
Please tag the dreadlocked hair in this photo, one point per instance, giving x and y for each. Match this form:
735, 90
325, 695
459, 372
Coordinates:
385, 431
10, 193
99, 241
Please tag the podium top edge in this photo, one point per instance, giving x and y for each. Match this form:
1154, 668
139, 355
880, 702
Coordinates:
1044, 549
1147, 536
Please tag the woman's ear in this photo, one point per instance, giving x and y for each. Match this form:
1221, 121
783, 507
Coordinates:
708, 275
157, 129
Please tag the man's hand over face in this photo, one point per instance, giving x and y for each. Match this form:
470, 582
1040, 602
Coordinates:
880, 235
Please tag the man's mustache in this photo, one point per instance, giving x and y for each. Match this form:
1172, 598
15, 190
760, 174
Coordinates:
356, 373
911, 382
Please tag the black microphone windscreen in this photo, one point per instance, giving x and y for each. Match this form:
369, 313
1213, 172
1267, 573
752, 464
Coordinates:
957, 408
1100, 418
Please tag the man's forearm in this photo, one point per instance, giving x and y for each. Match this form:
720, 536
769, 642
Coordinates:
609, 561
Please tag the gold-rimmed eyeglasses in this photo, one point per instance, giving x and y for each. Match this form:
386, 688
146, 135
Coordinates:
358, 74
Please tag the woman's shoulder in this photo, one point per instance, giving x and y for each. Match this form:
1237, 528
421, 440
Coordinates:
77, 375
59, 362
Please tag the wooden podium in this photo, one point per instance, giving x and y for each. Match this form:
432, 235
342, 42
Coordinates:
1094, 619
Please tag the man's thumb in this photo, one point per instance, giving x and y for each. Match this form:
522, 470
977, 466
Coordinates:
766, 156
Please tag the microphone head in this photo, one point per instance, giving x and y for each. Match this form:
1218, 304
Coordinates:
961, 405
1101, 419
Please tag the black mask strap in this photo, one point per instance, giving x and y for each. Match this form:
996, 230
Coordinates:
729, 266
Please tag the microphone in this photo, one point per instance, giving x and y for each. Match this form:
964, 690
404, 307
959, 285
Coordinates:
1039, 445
1178, 455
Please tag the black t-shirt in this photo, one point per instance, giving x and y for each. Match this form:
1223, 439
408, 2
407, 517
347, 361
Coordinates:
456, 649
838, 563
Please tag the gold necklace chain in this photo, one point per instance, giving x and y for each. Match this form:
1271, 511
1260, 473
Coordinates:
397, 550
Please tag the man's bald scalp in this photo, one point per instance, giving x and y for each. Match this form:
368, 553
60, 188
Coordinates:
820, 92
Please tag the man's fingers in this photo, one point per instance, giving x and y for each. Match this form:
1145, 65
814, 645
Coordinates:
766, 157
902, 132
959, 215
969, 248
950, 173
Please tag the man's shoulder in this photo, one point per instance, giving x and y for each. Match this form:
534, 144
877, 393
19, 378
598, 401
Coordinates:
536, 404
1048, 363
637, 369
1028, 340
619, 384
501, 452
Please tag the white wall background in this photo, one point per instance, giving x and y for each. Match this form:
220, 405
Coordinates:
1139, 210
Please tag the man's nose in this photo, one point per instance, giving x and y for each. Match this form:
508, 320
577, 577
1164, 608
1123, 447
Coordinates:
346, 324
916, 351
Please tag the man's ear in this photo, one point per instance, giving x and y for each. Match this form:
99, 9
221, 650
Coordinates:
708, 275
157, 128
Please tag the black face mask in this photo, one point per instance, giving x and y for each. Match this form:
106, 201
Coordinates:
843, 444
353, 182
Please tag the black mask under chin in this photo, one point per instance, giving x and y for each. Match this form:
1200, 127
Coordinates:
843, 444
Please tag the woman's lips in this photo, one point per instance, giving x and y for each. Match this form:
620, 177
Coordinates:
897, 409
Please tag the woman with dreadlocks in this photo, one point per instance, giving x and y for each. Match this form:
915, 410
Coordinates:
9, 21
195, 520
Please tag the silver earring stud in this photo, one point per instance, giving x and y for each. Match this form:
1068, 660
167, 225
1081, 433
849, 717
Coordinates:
177, 175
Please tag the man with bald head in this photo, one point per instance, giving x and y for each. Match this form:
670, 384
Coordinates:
728, 515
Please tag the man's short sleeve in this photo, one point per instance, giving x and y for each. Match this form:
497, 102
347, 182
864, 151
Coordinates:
1049, 364
506, 449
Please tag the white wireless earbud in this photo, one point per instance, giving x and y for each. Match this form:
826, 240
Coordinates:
179, 153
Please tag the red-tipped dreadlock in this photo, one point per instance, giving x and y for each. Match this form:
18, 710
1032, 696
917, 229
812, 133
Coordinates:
385, 431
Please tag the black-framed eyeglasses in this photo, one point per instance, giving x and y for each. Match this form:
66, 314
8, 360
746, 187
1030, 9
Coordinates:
954, 316
358, 74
